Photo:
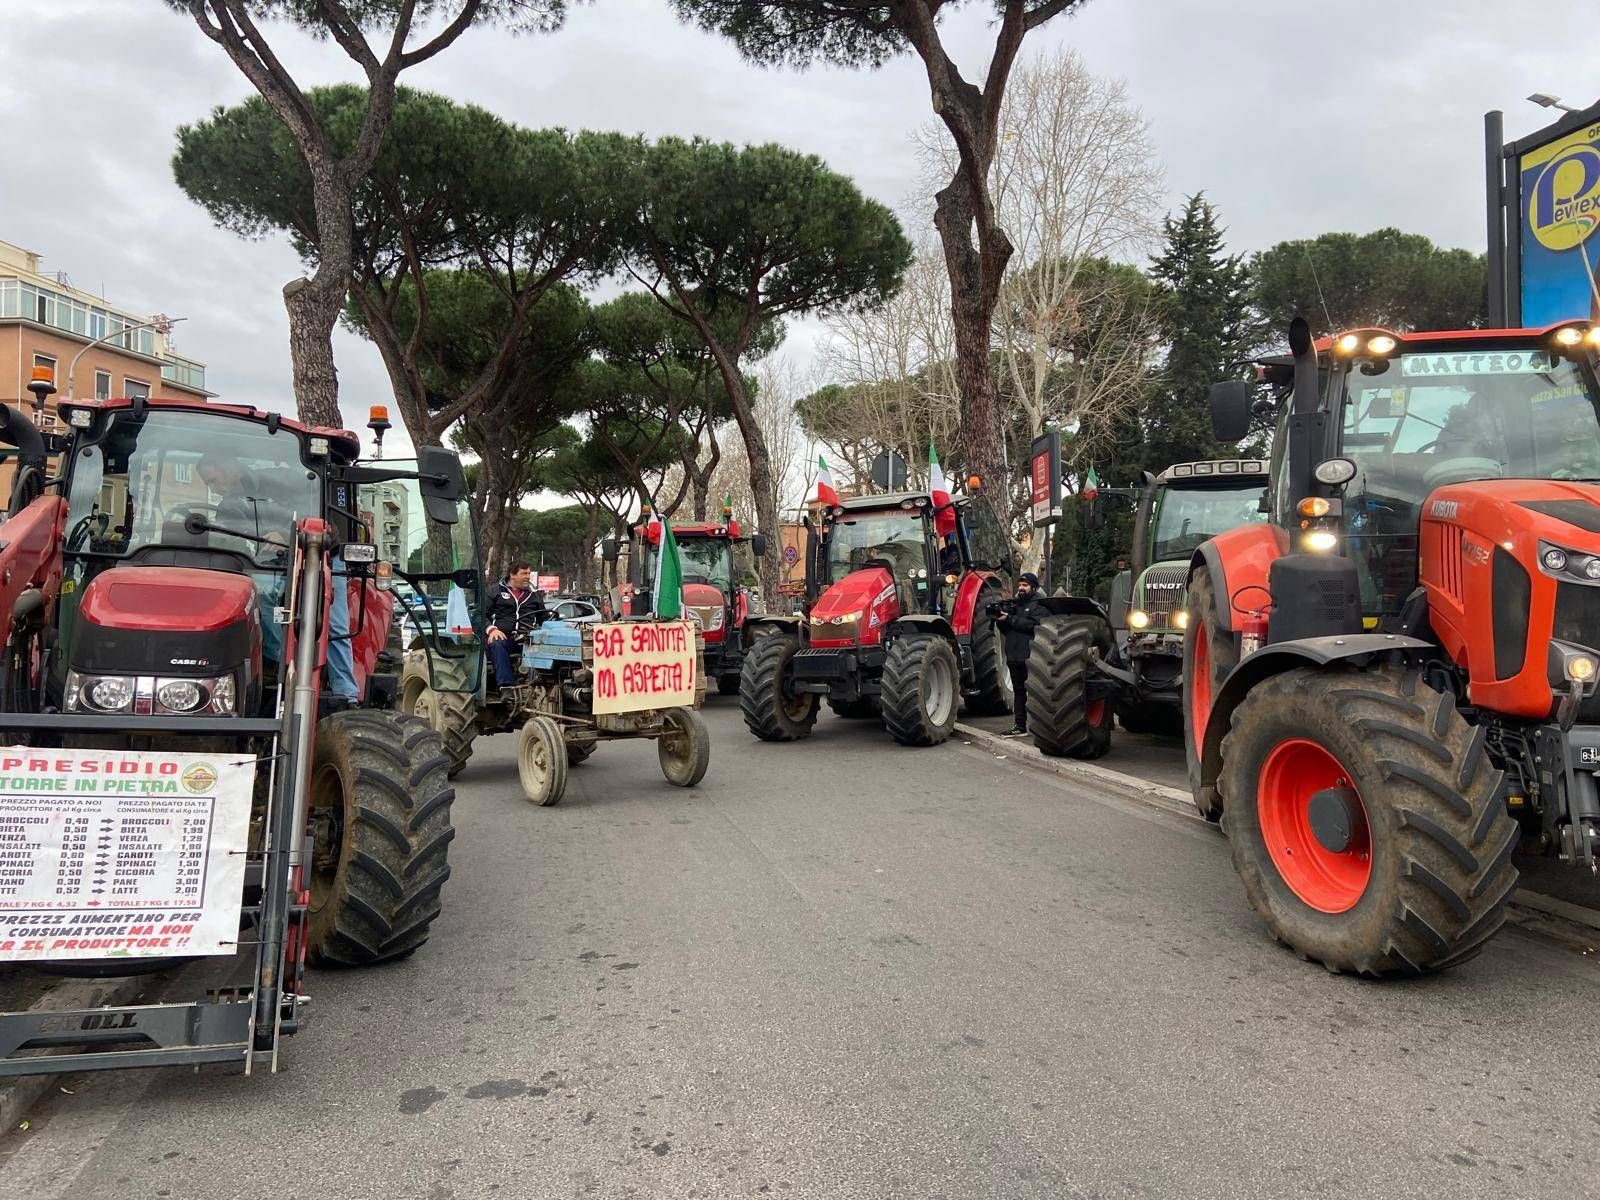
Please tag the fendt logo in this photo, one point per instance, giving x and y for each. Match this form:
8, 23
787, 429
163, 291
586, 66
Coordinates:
1564, 208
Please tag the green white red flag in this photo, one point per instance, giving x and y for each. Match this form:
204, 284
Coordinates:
1091, 486
939, 490
825, 490
667, 595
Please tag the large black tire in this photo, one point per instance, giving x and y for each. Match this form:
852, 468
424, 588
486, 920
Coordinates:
990, 694
921, 686
451, 709
578, 752
864, 709
381, 801
1061, 717
1437, 874
1211, 651
685, 750
769, 712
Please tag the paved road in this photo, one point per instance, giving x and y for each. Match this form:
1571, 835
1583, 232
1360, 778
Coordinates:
844, 969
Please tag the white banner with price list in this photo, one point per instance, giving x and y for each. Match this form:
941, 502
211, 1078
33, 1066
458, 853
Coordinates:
121, 854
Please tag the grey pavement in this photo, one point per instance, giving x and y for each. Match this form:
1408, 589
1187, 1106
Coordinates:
847, 969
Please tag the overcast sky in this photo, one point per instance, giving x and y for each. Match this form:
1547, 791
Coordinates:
1296, 119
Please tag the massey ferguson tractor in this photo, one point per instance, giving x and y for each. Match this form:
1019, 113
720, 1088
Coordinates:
1391, 684
712, 592
1179, 509
899, 623
173, 573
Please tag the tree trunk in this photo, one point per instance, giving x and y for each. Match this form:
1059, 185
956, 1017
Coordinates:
314, 305
591, 532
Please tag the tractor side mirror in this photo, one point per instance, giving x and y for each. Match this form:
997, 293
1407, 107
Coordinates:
758, 544
441, 481
1230, 410
609, 551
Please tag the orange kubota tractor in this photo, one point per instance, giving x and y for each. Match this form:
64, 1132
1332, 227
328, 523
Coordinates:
1391, 684
898, 622
149, 610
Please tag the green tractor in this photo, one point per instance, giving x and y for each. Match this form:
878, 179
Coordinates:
1179, 509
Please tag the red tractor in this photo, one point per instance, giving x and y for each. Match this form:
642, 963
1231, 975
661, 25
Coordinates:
177, 581
897, 623
1391, 684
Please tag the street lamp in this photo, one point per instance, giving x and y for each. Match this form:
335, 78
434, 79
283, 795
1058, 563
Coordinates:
160, 322
1545, 100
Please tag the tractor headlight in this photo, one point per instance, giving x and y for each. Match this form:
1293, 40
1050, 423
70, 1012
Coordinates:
99, 693
1334, 471
1320, 541
1181, 618
210, 696
1554, 559
1580, 668
178, 695
1574, 566
1138, 619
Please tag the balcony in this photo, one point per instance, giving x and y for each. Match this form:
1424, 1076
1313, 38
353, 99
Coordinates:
184, 372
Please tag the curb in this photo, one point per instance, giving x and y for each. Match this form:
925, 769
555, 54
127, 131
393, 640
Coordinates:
1158, 795
20, 1093
1539, 912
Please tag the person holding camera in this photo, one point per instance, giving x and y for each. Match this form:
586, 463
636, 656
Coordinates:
1018, 620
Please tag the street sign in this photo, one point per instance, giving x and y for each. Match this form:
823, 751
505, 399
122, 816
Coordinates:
1044, 490
791, 555
888, 472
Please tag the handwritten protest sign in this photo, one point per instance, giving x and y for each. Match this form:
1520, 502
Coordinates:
643, 664
120, 854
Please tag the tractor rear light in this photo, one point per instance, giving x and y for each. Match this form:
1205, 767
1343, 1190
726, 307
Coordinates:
1320, 541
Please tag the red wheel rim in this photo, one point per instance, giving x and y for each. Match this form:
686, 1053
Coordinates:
1096, 713
1200, 684
1293, 771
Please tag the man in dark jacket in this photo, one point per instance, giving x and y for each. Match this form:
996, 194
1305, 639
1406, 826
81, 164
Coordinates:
1018, 626
515, 610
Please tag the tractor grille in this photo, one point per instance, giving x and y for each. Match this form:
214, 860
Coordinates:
1442, 551
1512, 594
1577, 615
1162, 591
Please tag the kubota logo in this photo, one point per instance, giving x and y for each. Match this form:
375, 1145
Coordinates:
1564, 205
199, 778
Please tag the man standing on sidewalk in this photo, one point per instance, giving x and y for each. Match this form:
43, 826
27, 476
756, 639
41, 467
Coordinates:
1018, 624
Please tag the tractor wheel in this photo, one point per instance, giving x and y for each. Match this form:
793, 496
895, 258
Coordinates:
991, 692
542, 761
769, 712
1209, 653
864, 709
451, 709
1061, 717
1365, 820
380, 818
921, 686
727, 685
684, 750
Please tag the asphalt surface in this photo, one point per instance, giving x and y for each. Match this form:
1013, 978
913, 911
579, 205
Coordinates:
847, 969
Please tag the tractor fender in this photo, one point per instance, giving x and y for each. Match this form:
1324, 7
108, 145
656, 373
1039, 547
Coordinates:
1239, 559
765, 625
921, 623
969, 594
1075, 606
1358, 649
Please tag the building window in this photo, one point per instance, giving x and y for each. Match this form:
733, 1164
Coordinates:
97, 323
183, 472
102, 385
134, 389
8, 298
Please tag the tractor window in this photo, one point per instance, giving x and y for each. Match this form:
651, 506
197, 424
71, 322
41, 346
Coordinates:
425, 553
1421, 421
987, 545
138, 484
1186, 517
706, 560
895, 539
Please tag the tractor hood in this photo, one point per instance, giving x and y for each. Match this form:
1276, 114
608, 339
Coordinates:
169, 620
858, 606
1562, 511
710, 605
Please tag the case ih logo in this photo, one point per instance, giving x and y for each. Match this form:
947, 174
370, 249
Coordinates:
1446, 508
189, 662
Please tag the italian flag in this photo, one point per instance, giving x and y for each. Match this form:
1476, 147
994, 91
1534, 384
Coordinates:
825, 492
945, 517
1091, 486
666, 598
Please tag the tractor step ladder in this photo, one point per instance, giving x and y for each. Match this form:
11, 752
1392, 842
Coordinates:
234, 1025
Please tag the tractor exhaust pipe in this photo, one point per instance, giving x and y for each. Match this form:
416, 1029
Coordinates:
1303, 347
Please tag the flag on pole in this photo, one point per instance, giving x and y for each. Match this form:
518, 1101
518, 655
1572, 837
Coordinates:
945, 516
666, 598
825, 493
1091, 486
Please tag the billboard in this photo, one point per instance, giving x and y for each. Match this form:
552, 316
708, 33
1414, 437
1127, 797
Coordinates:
1559, 186
1044, 477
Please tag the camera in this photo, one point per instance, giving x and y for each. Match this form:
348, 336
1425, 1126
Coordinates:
995, 607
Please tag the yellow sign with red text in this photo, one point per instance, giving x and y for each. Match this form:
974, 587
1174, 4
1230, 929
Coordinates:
644, 664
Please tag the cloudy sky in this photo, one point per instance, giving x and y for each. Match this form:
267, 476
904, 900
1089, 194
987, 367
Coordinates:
1296, 119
